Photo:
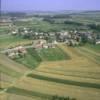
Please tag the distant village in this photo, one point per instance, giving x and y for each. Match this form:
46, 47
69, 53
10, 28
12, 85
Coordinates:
70, 37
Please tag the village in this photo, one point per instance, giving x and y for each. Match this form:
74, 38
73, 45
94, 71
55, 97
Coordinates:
42, 40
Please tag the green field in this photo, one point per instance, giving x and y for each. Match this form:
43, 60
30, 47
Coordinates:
53, 54
95, 48
9, 71
31, 60
34, 57
7, 41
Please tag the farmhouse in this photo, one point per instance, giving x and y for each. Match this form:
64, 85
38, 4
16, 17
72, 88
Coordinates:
38, 44
97, 41
21, 49
14, 32
15, 52
72, 42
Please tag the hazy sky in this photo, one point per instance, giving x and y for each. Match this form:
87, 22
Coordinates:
50, 5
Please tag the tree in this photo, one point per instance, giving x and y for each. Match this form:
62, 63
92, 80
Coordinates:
84, 38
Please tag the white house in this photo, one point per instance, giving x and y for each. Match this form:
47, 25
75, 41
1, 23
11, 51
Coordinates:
98, 42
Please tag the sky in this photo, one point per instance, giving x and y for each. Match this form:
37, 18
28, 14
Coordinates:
49, 5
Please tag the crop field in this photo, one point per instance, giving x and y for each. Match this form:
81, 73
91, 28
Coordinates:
7, 41
66, 72
53, 54
72, 72
17, 97
35, 57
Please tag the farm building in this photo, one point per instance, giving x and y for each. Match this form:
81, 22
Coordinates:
97, 41
72, 42
39, 44
15, 52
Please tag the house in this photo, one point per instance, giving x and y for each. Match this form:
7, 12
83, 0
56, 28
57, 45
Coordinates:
55, 42
72, 42
97, 41
14, 32
21, 50
11, 55
15, 52
51, 45
38, 44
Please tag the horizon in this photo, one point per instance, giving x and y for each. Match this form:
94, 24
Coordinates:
49, 5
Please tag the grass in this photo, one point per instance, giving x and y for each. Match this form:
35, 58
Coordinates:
9, 71
19, 91
92, 52
64, 81
28, 93
9, 41
4, 30
95, 48
31, 59
53, 54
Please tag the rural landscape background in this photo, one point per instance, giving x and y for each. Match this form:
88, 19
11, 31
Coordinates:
49, 50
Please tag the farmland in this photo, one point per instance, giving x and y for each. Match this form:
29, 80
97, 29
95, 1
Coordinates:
7, 41
63, 71
82, 77
34, 57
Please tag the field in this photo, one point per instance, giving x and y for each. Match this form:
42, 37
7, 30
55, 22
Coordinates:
63, 71
31, 60
35, 57
77, 75
7, 41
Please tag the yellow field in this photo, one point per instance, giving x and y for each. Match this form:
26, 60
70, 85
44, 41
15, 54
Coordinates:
7, 96
58, 89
